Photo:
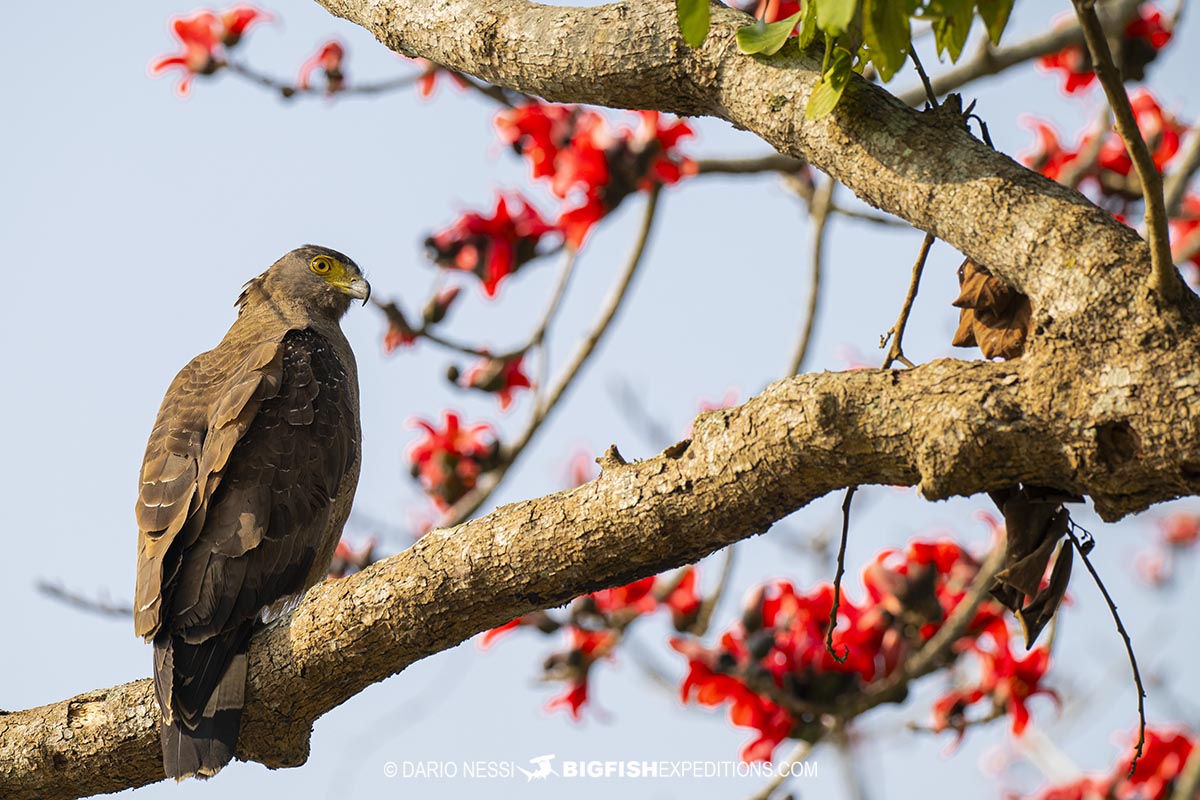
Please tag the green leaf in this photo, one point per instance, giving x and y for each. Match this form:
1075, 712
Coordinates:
766, 38
827, 93
834, 16
951, 24
887, 35
995, 16
808, 27
693, 20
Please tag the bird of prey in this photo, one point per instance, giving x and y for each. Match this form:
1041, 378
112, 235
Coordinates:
247, 481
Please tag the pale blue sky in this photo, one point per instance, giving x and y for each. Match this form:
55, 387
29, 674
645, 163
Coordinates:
133, 217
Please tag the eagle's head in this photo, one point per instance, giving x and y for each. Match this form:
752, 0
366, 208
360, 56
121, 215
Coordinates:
319, 280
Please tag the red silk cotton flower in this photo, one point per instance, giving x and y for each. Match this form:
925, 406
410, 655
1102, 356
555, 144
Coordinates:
499, 376
202, 36
1145, 35
537, 131
1158, 771
491, 247
398, 336
1161, 131
1012, 681
1048, 157
776, 671
449, 460
588, 161
658, 140
1007, 680
328, 59
683, 601
239, 19
1112, 173
711, 686
427, 81
1185, 231
596, 623
1076, 66
636, 597
574, 665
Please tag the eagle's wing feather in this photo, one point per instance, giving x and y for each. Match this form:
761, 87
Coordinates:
238, 522
205, 412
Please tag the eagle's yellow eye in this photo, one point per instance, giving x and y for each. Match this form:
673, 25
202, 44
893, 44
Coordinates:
321, 265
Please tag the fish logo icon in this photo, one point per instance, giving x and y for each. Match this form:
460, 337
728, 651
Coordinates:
543, 771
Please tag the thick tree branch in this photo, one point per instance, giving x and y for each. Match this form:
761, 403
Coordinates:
1043, 239
1105, 407
950, 427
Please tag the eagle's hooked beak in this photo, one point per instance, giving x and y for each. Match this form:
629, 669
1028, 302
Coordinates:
359, 289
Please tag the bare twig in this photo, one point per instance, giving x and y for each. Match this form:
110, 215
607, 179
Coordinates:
896, 333
288, 90
449, 344
1086, 158
1052, 631
1177, 14
992, 61
613, 304
864, 216
1175, 185
850, 773
1188, 782
784, 771
560, 291
991, 716
538, 338
709, 604
799, 183
504, 97
837, 578
647, 664
102, 606
491, 91
470, 502
630, 405
822, 199
775, 162
1112, 607
930, 97
1164, 278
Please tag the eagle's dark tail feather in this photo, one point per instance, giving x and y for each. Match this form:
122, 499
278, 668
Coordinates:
200, 753
200, 747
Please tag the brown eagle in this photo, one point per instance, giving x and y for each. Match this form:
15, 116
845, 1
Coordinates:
247, 481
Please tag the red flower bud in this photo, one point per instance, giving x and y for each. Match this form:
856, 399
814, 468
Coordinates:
437, 306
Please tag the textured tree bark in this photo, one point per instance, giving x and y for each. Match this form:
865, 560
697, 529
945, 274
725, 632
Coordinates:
1041, 238
950, 427
1104, 403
